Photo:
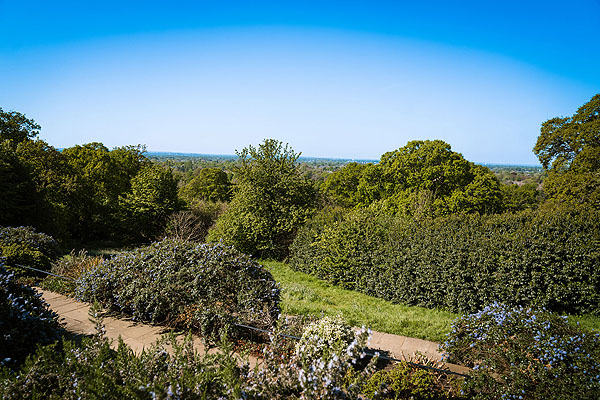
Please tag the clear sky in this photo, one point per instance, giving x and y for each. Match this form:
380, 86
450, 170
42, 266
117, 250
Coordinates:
350, 79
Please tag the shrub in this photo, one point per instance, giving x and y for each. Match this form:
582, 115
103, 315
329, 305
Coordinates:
91, 370
187, 285
71, 266
546, 258
518, 352
324, 338
25, 246
25, 320
404, 381
285, 375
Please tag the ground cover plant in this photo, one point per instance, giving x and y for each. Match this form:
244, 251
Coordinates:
519, 352
25, 320
203, 287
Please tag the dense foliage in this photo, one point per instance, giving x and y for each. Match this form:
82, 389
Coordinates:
271, 201
423, 178
91, 370
85, 192
24, 246
569, 149
404, 381
209, 184
25, 320
525, 353
186, 285
460, 263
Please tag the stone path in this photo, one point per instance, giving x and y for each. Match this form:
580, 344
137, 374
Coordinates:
74, 316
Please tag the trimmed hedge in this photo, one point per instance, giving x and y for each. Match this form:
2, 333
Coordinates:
203, 287
547, 258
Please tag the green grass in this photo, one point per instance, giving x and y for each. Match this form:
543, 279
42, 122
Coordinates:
303, 294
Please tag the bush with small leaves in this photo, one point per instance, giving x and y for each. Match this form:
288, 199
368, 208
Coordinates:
25, 320
524, 353
324, 338
404, 381
25, 246
202, 287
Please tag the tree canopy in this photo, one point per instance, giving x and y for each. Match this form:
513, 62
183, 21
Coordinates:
426, 178
271, 200
569, 150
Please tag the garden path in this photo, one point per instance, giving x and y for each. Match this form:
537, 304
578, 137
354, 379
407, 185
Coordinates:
74, 316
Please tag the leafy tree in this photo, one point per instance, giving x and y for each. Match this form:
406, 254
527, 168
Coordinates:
427, 178
271, 200
521, 197
342, 185
17, 190
101, 178
569, 150
17, 128
210, 184
153, 197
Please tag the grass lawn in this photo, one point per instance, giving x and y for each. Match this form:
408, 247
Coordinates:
303, 294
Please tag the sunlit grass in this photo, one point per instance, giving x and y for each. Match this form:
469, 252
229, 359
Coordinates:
303, 294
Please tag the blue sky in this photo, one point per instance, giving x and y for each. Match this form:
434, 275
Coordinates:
348, 79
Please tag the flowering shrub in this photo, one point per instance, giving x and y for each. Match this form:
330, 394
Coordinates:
285, 375
70, 371
521, 353
25, 246
324, 338
203, 287
25, 320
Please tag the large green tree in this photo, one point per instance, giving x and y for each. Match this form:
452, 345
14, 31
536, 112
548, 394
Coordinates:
341, 186
211, 184
152, 198
427, 178
271, 200
16, 127
569, 150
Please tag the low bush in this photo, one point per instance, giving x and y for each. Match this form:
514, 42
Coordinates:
25, 320
92, 370
324, 339
186, 285
546, 258
25, 246
404, 381
523, 353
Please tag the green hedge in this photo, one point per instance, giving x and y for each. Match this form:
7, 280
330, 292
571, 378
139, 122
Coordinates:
547, 258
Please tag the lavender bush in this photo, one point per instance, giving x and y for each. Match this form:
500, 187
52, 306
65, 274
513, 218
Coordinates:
202, 287
524, 353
